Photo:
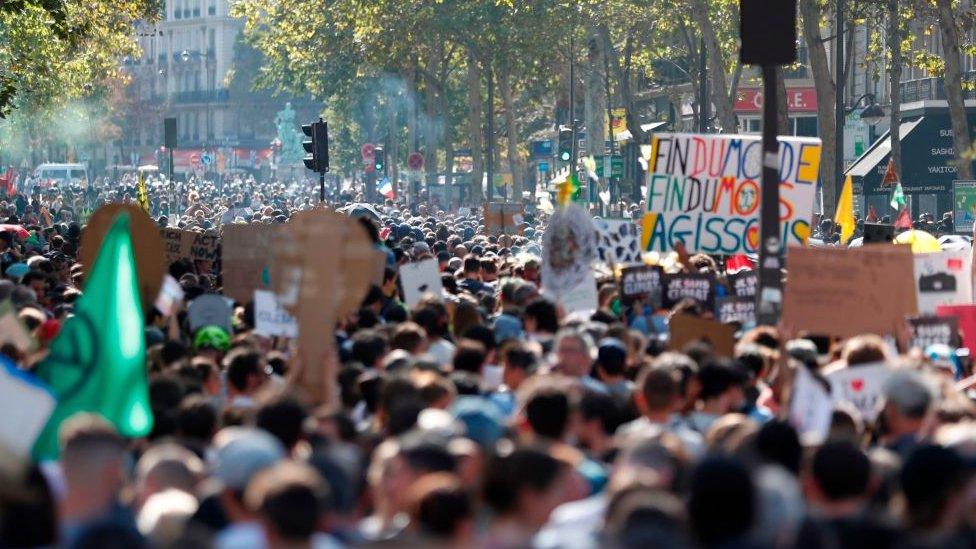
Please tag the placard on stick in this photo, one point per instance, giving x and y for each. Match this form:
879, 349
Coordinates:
182, 244
418, 279
503, 217
246, 259
146, 245
642, 282
697, 286
846, 292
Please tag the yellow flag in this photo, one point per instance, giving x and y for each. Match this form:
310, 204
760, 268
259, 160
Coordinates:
844, 217
142, 195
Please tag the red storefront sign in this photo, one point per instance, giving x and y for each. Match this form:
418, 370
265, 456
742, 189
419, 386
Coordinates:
798, 99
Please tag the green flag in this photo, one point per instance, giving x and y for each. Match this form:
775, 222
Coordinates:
898, 197
97, 362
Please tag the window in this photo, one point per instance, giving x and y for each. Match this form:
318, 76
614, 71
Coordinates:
806, 126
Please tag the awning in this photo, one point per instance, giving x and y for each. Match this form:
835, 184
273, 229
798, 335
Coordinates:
652, 126
878, 153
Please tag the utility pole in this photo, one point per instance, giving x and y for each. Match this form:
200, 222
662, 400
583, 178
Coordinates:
572, 100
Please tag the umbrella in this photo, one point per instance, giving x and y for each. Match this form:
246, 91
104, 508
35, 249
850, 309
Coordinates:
18, 230
921, 241
360, 209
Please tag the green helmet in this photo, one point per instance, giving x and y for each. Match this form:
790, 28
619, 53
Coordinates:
211, 337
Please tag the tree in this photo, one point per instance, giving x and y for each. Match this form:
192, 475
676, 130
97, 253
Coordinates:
811, 14
953, 78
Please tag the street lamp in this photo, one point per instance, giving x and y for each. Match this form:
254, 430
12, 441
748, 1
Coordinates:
185, 55
872, 114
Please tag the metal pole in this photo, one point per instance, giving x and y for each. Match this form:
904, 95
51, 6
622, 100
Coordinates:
321, 186
171, 165
491, 132
769, 299
839, 107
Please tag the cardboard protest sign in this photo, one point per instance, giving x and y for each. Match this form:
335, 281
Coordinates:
418, 279
146, 244
697, 286
966, 316
170, 296
619, 242
934, 330
743, 283
503, 217
569, 249
270, 318
860, 385
811, 408
943, 278
320, 288
642, 282
245, 259
181, 244
25, 405
704, 190
685, 329
736, 309
13, 331
210, 310
849, 291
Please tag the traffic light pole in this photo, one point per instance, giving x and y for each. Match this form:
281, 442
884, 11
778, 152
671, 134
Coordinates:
321, 186
769, 300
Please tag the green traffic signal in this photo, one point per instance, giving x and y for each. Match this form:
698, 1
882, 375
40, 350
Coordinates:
564, 156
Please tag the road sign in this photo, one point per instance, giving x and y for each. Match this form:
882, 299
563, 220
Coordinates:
543, 166
415, 161
207, 159
616, 166
195, 159
542, 148
368, 151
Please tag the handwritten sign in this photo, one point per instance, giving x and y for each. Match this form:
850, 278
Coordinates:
943, 278
697, 286
743, 283
270, 318
860, 385
180, 244
736, 309
934, 330
703, 190
811, 408
641, 282
619, 241
246, 259
849, 291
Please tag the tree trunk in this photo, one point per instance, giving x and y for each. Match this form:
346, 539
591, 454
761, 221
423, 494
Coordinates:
782, 106
894, 82
392, 145
511, 129
430, 130
961, 142
823, 81
413, 138
716, 68
447, 135
595, 96
475, 141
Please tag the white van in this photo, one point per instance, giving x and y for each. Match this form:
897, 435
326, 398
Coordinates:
50, 175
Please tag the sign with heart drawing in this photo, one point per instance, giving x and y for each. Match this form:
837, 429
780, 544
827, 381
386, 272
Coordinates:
860, 386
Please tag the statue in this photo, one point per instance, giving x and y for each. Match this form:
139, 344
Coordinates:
291, 141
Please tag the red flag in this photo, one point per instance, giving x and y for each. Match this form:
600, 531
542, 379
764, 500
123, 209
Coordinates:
7, 182
872, 215
738, 262
890, 177
904, 221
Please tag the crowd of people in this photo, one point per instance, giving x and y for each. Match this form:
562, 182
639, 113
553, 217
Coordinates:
482, 416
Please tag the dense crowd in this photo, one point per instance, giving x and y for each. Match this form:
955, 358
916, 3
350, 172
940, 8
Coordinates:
482, 416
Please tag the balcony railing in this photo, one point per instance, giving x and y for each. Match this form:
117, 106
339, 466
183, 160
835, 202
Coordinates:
199, 96
934, 88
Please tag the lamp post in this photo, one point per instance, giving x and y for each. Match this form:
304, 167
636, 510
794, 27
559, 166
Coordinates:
872, 114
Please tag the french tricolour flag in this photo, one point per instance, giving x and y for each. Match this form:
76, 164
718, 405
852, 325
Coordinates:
386, 188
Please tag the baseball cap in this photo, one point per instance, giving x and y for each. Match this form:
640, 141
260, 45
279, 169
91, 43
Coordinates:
242, 452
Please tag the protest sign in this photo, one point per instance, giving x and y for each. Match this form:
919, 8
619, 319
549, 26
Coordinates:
860, 385
619, 242
12, 329
270, 318
743, 283
503, 217
704, 190
811, 408
245, 259
849, 291
181, 244
25, 406
641, 282
934, 330
210, 310
569, 249
943, 278
170, 296
964, 200
966, 316
146, 245
685, 329
418, 279
736, 309
581, 299
697, 286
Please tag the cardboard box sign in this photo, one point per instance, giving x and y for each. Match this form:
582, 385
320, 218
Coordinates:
503, 217
180, 244
246, 259
685, 329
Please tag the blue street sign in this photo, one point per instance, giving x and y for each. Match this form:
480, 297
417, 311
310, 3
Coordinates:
542, 148
543, 166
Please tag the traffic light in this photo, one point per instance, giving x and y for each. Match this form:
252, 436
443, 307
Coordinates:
565, 143
379, 159
316, 146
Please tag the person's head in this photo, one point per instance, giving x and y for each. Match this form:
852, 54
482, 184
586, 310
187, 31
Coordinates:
864, 349
722, 385
935, 481
908, 400
167, 466
524, 485
441, 509
658, 391
540, 316
547, 406
472, 266
611, 359
410, 337
721, 504
283, 415
291, 500
369, 347
574, 352
196, 419
469, 356
640, 516
92, 458
245, 370
519, 363
837, 478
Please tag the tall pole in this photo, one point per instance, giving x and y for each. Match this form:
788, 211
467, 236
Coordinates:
572, 99
703, 103
491, 132
839, 107
769, 300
